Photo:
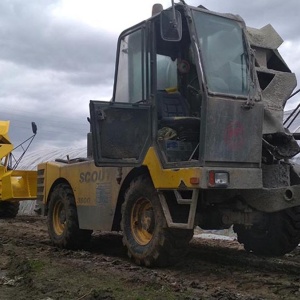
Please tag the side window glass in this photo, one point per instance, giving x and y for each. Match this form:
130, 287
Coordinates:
131, 78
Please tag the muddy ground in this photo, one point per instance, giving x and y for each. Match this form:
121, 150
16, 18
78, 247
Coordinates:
31, 268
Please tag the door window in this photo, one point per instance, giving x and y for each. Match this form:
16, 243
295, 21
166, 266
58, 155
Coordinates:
132, 68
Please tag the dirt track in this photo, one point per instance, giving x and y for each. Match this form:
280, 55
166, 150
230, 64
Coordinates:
31, 268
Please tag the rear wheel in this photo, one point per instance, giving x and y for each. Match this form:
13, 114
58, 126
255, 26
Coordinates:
62, 222
277, 234
9, 210
145, 233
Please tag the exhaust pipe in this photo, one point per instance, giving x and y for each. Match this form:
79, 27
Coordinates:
156, 9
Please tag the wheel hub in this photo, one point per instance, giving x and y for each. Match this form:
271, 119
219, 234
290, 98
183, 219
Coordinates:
59, 218
142, 221
62, 216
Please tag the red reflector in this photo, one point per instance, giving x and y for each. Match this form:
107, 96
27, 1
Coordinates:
211, 178
194, 180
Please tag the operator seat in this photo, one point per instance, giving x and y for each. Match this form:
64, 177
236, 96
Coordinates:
173, 111
171, 105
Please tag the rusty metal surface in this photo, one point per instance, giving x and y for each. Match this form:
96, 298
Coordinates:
271, 200
276, 79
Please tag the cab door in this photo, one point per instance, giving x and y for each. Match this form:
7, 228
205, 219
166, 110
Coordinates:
121, 133
121, 128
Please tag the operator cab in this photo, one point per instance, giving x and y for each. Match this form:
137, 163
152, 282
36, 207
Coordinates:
178, 105
187, 93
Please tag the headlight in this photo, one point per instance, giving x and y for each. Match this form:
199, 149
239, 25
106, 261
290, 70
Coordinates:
218, 179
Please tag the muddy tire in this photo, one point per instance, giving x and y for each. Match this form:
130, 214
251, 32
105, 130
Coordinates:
9, 210
145, 233
62, 220
277, 235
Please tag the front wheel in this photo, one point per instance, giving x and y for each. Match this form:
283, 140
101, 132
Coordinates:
62, 222
145, 233
277, 234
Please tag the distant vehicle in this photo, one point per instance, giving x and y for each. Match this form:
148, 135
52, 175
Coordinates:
15, 185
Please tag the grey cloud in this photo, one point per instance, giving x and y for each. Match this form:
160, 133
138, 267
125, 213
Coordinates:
283, 15
30, 36
103, 75
50, 68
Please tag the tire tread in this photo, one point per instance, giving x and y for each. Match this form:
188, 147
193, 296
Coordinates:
167, 245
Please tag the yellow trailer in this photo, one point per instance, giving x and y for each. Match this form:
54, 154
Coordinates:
15, 185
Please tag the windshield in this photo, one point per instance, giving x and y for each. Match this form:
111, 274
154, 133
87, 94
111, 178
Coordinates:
225, 58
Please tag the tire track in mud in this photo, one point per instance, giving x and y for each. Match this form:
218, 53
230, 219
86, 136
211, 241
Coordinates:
290, 263
214, 269
31, 231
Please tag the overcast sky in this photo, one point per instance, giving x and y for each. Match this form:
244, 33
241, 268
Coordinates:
56, 55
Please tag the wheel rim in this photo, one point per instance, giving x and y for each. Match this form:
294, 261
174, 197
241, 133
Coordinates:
142, 221
59, 218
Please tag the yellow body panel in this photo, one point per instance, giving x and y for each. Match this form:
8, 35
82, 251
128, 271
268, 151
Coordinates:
5, 149
15, 185
5, 145
95, 190
18, 185
83, 177
169, 178
4, 127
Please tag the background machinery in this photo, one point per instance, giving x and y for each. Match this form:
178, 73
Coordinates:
15, 185
193, 136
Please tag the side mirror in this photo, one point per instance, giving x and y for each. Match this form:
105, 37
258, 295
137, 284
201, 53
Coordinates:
171, 25
34, 127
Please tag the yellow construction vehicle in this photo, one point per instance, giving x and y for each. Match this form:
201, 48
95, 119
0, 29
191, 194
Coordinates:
193, 136
15, 185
